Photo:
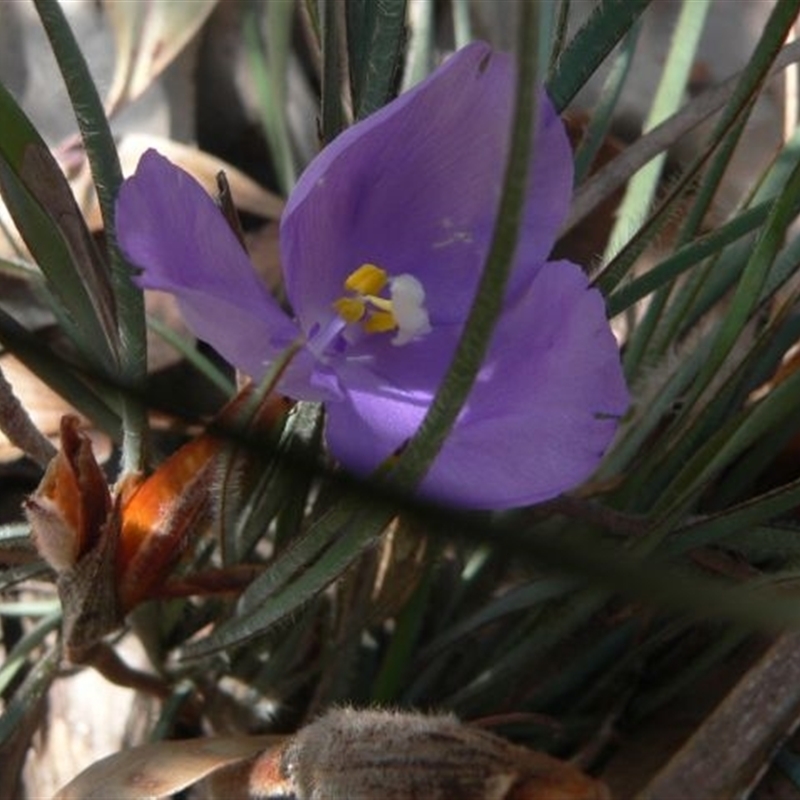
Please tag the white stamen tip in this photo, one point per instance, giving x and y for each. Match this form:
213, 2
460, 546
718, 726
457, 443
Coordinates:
408, 306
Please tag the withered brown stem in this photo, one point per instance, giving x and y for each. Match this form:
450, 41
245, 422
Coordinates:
729, 751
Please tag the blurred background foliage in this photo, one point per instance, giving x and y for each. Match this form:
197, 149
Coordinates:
606, 624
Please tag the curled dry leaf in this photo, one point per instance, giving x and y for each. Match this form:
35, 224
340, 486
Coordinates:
114, 550
248, 195
158, 770
72, 503
42, 176
96, 542
148, 36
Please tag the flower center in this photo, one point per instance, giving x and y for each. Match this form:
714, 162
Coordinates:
402, 311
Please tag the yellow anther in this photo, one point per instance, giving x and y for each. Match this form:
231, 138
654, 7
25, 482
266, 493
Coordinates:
380, 322
367, 280
350, 309
403, 311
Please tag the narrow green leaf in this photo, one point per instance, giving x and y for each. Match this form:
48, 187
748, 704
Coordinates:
724, 138
726, 270
502, 670
689, 435
606, 570
652, 337
765, 543
42, 205
783, 268
333, 118
293, 581
614, 174
375, 39
780, 22
286, 466
523, 598
58, 375
107, 174
751, 283
304, 446
732, 440
715, 653
599, 660
616, 270
488, 304
268, 56
397, 659
734, 520
462, 25
744, 475
559, 37
188, 350
608, 23
656, 403
18, 656
665, 273
419, 52
668, 98
603, 113
26, 701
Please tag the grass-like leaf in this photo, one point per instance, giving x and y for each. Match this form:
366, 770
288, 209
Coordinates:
46, 214
63, 378
487, 306
19, 715
668, 98
266, 37
602, 115
333, 117
608, 23
17, 657
107, 174
375, 37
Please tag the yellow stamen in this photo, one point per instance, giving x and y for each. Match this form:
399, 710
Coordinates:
381, 303
380, 322
403, 311
350, 309
367, 280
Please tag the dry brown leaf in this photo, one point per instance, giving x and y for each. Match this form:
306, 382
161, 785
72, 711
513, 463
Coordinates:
157, 770
346, 754
148, 36
45, 407
248, 195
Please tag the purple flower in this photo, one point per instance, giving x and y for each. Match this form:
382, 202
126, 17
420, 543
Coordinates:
383, 241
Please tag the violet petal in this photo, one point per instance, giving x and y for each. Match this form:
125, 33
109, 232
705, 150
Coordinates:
415, 188
538, 420
169, 227
379, 412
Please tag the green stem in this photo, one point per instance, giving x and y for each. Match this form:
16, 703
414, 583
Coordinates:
488, 304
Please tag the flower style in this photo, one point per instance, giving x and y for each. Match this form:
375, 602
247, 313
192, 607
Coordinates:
383, 241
